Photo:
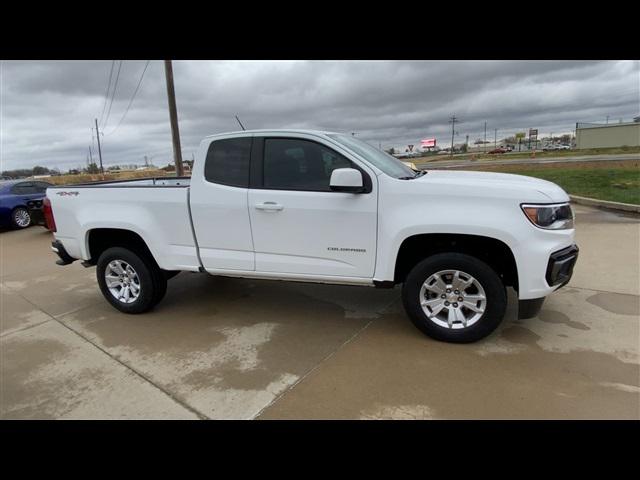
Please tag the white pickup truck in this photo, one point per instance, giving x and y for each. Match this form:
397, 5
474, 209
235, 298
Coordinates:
312, 206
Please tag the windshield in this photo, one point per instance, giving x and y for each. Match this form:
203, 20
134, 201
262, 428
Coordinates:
385, 162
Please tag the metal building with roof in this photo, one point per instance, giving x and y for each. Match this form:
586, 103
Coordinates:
592, 135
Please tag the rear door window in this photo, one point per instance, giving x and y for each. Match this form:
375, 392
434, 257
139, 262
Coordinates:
227, 162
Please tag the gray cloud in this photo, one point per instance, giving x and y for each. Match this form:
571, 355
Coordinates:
47, 108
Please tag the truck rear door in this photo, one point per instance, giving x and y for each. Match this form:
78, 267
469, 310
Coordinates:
218, 200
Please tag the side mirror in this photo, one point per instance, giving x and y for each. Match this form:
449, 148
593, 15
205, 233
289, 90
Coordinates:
346, 180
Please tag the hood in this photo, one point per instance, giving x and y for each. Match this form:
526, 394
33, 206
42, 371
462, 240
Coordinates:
520, 187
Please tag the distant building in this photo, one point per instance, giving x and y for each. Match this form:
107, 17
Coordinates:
591, 135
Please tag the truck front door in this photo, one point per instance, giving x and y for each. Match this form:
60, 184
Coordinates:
299, 225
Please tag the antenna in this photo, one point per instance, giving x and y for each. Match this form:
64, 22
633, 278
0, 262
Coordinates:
241, 126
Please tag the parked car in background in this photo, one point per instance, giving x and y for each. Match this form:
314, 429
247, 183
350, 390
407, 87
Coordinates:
547, 148
21, 202
497, 150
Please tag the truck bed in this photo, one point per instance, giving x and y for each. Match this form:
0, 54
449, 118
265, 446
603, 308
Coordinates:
157, 209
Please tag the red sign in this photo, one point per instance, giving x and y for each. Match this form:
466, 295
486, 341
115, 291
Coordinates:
428, 142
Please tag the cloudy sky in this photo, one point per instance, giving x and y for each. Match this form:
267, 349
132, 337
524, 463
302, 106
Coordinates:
47, 108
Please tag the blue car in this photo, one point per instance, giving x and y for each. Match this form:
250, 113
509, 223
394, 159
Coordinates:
17, 198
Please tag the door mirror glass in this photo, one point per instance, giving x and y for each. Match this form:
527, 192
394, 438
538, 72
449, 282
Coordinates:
346, 180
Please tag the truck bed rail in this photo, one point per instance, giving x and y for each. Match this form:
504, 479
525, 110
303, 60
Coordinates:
152, 182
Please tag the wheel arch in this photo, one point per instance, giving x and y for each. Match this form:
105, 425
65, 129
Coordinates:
100, 239
497, 254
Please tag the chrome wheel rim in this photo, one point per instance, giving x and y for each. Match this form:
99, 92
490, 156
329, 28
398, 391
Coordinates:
122, 281
22, 217
453, 299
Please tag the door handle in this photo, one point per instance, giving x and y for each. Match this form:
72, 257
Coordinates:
269, 206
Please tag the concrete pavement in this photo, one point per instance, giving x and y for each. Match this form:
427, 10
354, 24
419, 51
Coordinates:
234, 348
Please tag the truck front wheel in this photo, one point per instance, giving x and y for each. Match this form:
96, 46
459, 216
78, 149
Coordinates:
130, 281
454, 297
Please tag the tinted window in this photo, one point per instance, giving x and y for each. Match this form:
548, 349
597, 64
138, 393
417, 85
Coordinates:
41, 187
291, 164
24, 188
228, 162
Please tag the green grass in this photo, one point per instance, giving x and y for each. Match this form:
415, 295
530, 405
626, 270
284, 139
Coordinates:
616, 184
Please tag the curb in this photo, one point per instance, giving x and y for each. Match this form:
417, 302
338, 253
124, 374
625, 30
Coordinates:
604, 204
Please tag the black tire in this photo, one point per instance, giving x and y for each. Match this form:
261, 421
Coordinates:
15, 220
153, 284
496, 297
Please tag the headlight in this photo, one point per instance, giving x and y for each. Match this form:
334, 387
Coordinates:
550, 217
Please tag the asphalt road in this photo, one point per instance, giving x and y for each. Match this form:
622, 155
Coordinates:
504, 160
234, 348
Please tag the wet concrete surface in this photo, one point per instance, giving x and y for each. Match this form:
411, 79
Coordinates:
233, 348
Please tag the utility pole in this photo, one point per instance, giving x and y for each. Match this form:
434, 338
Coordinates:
453, 121
495, 138
99, 148
173, 117
607, 119
484, 145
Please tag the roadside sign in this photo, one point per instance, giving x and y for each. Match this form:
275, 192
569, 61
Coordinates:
533, 132
428, 142
410, 148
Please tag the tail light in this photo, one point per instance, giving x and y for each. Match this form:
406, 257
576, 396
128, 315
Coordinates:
48, 214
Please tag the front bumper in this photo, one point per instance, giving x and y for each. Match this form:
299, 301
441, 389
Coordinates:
560, 266
559, 272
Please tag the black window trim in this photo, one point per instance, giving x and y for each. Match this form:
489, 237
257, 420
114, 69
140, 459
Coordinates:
256, 168
251, 148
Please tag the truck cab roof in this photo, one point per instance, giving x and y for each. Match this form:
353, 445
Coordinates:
274, 131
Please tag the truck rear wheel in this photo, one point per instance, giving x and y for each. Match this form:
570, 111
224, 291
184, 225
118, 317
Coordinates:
130, 281
454, 297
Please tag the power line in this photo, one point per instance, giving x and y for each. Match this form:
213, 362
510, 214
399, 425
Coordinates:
132, 97
106, 94
113, 94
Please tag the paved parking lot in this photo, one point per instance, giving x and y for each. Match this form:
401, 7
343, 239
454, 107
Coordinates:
232, 348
